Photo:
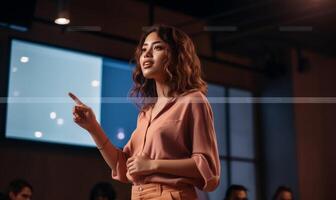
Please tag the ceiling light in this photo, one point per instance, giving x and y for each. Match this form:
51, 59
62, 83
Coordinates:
63, 17
62, 21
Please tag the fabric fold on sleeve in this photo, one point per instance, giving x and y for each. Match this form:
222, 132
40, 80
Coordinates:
204, 145
210, 180
119, 173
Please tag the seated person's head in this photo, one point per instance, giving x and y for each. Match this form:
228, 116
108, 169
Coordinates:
236, 192
3, 196
102, 191
283, 193
19, 190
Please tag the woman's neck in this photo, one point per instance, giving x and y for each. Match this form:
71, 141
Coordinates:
162, 89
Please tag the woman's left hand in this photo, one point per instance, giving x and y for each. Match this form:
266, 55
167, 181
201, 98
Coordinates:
140, 165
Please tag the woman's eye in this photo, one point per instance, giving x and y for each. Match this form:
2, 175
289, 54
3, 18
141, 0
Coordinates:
158, 48
143, 50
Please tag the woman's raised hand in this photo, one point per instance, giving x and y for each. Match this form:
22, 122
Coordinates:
83, 115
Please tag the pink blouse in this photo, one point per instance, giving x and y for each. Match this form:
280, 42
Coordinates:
182, 129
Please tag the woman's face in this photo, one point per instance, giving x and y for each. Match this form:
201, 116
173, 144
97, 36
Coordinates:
154, 53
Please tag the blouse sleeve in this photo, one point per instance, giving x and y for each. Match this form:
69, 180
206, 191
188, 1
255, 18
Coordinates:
204, 146
119, 173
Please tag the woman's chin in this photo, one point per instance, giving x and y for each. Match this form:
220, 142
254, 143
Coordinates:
148, 75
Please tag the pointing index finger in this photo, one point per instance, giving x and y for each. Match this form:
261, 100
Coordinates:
73, 97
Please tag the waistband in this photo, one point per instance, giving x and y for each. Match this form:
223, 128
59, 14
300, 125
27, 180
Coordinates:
155, 189
157, 186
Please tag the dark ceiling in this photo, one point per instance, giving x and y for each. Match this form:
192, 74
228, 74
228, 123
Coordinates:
203, 9
263, 29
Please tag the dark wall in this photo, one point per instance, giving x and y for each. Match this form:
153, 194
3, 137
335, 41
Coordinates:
279, 137
315, 125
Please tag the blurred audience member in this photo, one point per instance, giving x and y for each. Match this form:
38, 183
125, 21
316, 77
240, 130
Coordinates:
2, 196
283, 193
236, 192
102, 191
19, 189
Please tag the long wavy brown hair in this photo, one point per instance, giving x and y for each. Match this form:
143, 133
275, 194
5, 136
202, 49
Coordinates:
182, 66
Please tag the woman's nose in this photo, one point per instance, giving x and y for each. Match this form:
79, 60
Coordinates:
148, 53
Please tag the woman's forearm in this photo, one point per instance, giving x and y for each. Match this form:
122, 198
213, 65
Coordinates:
106, 148
182, 167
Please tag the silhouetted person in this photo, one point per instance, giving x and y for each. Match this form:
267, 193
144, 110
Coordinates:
102, 191
236, 192
283, 193
19, 189
2, 196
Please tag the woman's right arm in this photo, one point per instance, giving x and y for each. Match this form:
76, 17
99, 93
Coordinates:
85, 118
114, 157
106, 148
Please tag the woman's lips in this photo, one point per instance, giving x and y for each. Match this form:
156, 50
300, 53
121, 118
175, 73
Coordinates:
147, 64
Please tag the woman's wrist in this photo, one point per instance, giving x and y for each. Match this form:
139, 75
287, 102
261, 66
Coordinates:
94, 128
98, 135
103, 144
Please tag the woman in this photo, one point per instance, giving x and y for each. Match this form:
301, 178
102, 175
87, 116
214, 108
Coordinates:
173, 147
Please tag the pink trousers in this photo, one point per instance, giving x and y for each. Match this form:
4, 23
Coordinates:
158, 191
